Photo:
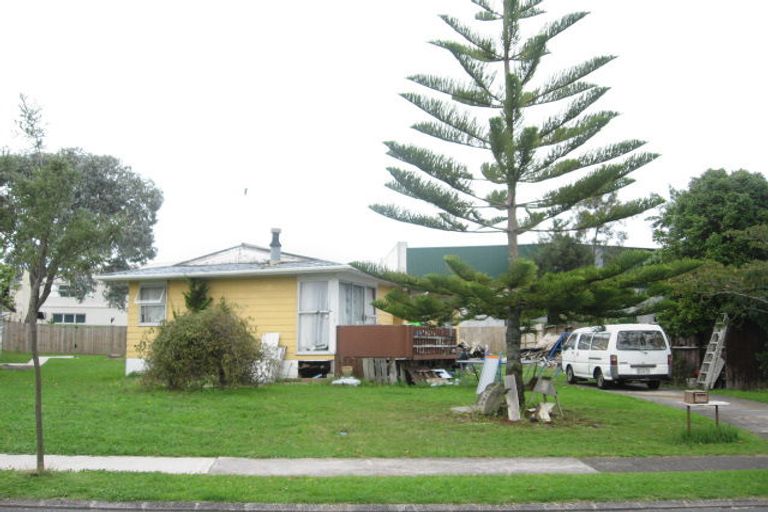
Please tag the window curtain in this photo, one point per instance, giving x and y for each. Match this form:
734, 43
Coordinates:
313, 316
355, 305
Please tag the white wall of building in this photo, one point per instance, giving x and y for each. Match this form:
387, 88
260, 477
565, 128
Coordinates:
94, 306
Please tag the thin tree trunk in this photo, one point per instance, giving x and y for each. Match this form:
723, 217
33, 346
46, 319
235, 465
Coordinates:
31, 321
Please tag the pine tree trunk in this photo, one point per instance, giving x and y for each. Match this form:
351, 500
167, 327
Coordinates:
31, 322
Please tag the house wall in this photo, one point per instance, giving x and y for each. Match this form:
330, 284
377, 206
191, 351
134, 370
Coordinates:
95, 308
269, 303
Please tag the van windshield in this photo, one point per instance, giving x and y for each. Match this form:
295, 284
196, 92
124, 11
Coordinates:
640, 340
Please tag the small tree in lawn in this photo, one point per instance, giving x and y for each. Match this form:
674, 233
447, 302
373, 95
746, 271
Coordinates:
489, 111
63, 220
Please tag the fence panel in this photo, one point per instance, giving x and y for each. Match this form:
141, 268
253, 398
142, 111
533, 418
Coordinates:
66, 339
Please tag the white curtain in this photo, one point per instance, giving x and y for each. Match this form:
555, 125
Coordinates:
313, 316
355, 305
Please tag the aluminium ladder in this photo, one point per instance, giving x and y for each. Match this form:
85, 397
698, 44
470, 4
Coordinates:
713, 361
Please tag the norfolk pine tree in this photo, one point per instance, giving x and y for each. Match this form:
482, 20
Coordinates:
488, 112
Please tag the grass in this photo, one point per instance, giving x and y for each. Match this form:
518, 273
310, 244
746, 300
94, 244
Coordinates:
710, 434
433, 489
91, 409
758, 395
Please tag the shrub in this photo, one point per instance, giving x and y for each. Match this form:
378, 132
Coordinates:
209, 347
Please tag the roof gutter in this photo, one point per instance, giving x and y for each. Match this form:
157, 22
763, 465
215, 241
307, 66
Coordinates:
276, 271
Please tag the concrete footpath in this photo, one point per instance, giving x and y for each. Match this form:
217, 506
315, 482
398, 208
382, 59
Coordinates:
384, 467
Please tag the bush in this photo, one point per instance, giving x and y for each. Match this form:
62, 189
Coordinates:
209, 347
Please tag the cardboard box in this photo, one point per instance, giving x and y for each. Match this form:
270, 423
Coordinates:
696, 397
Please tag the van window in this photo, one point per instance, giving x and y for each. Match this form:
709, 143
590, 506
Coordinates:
570, 342
640, 340
584, 341
600, 341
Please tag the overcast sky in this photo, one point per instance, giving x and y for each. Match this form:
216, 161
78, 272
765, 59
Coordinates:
292, 100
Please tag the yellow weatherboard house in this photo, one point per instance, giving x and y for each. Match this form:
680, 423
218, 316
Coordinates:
301, 299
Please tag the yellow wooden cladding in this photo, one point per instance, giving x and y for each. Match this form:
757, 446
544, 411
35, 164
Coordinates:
269, 303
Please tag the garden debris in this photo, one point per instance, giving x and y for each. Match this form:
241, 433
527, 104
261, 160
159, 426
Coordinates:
542, 412
488, 374
346, 381
513, 402
266, 370
432, 376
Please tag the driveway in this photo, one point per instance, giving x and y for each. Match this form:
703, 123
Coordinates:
746, 414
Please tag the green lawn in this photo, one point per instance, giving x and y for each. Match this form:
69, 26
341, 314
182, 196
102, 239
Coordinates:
434, 489
91, 409
758, 395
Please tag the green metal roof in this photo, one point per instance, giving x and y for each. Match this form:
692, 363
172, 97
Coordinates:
489, 259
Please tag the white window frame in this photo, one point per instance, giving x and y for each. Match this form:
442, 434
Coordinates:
333, 298
367, 319
152, 303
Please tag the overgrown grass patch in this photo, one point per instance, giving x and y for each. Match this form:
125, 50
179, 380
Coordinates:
433, 489
710, 434
90, 408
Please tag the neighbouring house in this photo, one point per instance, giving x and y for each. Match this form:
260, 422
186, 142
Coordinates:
62, 307
302, 299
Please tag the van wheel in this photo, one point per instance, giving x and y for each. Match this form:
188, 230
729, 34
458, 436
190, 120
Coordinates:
570, 378
601, 382
653, 384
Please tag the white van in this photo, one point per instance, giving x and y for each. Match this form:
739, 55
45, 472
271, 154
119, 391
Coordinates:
618, 353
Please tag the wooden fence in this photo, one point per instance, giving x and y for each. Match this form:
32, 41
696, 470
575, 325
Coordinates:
66, 339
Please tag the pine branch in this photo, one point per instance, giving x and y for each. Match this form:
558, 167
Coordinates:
542, 172
619, 211
488, 13
528, 9
588, 125
468, 51
437, 166
448, 134
460, 127
576, 108
470, 95
442, 221
485, 45
409, 184
530, 99
473, 66
568, 78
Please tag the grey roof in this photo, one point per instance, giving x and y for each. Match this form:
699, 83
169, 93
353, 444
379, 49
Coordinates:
291, 265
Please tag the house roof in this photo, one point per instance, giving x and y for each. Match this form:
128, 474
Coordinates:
242, 260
